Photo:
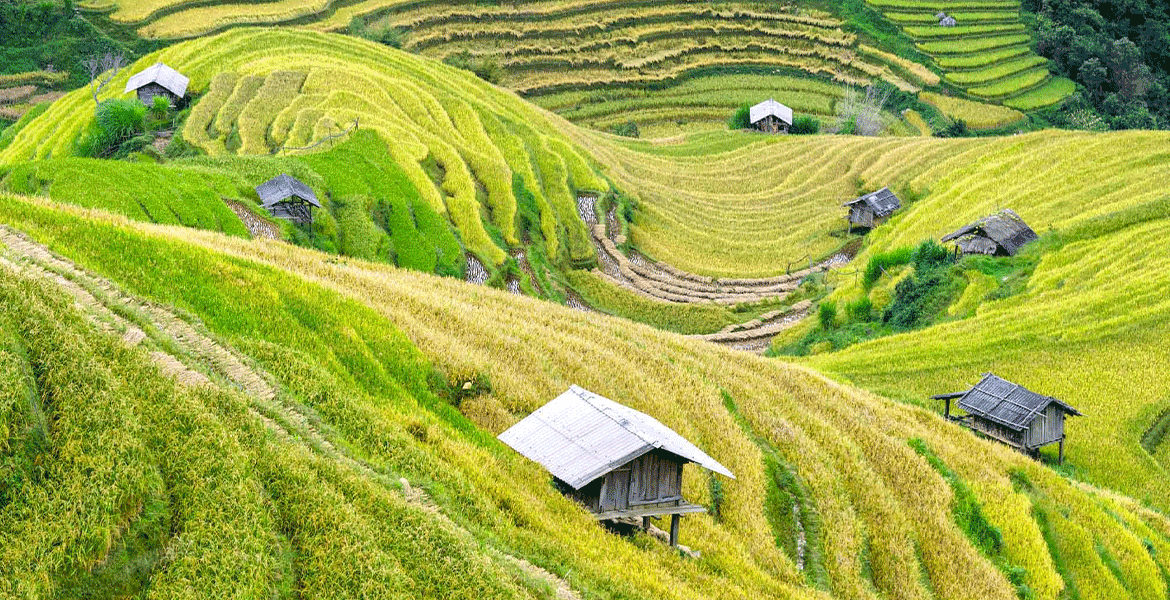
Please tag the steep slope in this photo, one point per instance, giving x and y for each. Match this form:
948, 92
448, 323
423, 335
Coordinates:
1088, 325
872, 514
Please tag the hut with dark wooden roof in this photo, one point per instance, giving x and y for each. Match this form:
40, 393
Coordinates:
872, 209
158, 80
1001, 234
285, 197
614, 460
771, 117
1012, 414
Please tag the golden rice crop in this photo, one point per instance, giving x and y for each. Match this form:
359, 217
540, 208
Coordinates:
885, 511
975, 114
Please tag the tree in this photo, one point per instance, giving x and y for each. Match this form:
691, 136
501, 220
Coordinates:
102, 68
1130, 75
1094, 75
862, 115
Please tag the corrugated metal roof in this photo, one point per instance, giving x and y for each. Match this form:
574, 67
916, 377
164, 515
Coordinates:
1006, 403
1005, 228
282, 187
580, 436
881, 202
771, 107
161, 74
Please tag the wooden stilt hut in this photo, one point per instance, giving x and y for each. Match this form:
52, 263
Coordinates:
285, 197
1012, 414
614, 460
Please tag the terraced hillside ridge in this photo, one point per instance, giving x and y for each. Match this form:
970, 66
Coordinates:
1064, 330
546, 46
458, 141
872, 486
987, 53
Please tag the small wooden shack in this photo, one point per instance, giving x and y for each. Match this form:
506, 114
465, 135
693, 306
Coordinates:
285, 197
158, 80
872, 209
1001, 234
771, 117
614, 460
1012, 414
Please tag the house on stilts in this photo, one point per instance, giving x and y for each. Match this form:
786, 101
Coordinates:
614, 460
158, 80
285, 197
1001, 234
770, 116
1012, 414
872, 209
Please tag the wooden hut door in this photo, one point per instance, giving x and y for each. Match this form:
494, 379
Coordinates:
616, 495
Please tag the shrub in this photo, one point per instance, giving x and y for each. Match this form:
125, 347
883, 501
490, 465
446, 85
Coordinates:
956, 129
487, 69
742, 119
827, 315
860, 310
886, 260
804, 125
627, 129
115, 131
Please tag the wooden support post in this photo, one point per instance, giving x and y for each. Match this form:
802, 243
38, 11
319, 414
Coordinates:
645, 523
674, 519
1060, 455
948, 413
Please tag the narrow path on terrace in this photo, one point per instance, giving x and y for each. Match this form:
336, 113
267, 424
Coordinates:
184, 351
659, 281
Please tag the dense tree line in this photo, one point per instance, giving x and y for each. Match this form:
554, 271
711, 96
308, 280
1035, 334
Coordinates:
1117, 50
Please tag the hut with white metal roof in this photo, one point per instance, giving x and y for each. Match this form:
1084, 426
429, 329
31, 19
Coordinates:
285, 197
770, 116
614, 460
158, 80
1001, 234
872, 209
1012, 414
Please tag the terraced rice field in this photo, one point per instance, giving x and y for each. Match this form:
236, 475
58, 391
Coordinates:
261, 97
1088, 327
986, 53
876, 517
548, 46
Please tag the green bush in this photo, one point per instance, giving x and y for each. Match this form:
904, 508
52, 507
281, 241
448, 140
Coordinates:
805, 125
860, 310
627, 129
878, 263
827, 315
115, 131
742, 119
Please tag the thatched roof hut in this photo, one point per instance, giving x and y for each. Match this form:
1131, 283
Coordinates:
1012, 413
285, 197
947, 21
158, 80
771, 116
616, 461
872, 209
1001, 234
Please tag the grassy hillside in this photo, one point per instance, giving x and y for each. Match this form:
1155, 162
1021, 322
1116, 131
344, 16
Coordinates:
319, 397
459, 141
1086, 324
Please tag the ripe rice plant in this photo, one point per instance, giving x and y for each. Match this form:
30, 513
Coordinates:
975, 114
885, 512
